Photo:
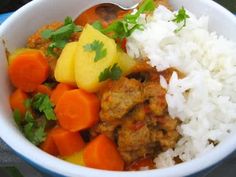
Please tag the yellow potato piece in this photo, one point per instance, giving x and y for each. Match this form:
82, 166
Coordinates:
125, 62
76, 158
87, 71
64, 71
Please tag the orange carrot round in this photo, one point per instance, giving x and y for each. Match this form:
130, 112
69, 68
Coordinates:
77, 110
101, 153
28, 70
17, 100
67, 142
59, 91
49, 145
43, 89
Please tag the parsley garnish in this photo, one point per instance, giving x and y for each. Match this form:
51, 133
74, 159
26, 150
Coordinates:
42, 103
112, 73
124, 28
97, 25
27, 103
181, 16
34, 128
97, 47
34, 131
61, 36
17, 116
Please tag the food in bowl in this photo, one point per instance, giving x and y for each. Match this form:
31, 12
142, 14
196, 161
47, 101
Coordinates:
94, 105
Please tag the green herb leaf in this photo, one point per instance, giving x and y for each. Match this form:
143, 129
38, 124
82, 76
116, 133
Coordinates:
42, 103
97, 47
17, 117
34, 135
180, 17
68, 20
147, 6
29, 117
97, 25
112, 73
60, 36
34, 131
39, 134
124, 28
27, 103
46, 34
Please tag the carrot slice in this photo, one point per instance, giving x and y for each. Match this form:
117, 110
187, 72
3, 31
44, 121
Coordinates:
17, 100
101, 153
59, 91
49, 145
28, 70
67, 142
77, 110
43, 89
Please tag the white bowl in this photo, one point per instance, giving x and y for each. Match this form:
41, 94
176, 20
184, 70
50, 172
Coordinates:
26, 20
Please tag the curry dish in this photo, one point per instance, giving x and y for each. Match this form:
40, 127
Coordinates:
130, 110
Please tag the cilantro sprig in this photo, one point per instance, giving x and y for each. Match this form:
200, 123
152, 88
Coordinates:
33, 122
33, 130
61, 36
181, 17
112, 72
42, 103
97, 47
123, 28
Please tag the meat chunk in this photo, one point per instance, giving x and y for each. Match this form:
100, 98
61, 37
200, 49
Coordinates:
108, 128
134, 114
37, 42
155, 94
135, 144
118, 99
139, 139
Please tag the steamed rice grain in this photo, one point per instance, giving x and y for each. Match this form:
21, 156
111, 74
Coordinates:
204, 100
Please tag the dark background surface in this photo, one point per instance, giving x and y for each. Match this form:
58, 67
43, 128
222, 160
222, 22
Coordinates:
7, 158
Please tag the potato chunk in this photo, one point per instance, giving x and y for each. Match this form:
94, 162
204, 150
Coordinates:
87, 70
65, 71
125, 62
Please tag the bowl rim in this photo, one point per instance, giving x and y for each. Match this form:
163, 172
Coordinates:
54, 164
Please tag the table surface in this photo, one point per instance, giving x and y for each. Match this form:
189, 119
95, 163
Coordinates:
8, 158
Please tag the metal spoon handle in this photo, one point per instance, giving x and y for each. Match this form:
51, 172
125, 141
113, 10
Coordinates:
126, 4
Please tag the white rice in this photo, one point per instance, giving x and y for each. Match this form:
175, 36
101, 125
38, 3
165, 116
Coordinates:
205, 100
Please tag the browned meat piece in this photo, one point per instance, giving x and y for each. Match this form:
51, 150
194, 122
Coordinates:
108, 128
169, 140
166, 132
37, 42
143, 72
120, 98
134, 114
155, 94
139, 139
134, 144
